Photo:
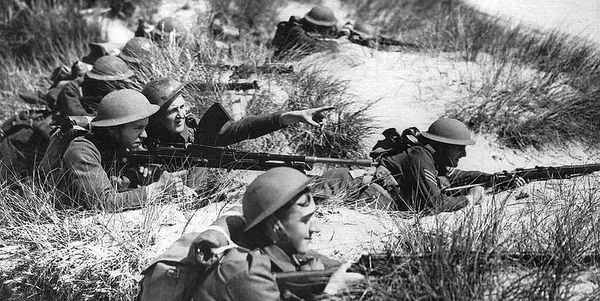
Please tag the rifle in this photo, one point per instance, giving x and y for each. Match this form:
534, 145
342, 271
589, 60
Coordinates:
384, 41
213, 87
370, 41
244, 71
384, 263
501, 180
176, 156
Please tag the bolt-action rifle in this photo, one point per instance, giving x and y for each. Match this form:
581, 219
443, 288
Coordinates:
213, 87
174, 157
384, 263
244, 70
502, 180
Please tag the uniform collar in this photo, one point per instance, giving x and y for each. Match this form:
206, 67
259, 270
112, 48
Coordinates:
430, 149
280, 259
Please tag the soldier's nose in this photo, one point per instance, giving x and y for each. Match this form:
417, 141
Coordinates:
315, 226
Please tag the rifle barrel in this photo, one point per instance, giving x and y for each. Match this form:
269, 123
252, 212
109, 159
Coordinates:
357, 162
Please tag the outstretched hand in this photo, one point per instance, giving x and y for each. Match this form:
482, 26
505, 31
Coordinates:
313, 116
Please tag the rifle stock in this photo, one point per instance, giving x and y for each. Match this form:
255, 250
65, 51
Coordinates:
177, 156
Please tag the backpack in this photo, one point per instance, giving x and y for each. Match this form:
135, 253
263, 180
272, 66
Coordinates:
395, 143
175, 274
23, 140
281, 39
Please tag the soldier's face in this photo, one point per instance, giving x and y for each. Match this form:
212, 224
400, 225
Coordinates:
174, 116
455, 153
130, 135
299, 226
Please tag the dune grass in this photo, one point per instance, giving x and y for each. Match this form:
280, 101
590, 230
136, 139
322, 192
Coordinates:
556, 103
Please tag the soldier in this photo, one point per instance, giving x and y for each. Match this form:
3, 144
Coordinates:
414, 179
169, 30
280, 221
81, 96
81, 165
139, 54
313, 33
172, 124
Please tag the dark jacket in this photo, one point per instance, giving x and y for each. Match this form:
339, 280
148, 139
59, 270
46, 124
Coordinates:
251, 276
82, 96
421, 180
82, 170
216, 130
292, 39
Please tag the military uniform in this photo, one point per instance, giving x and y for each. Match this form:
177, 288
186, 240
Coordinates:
80, 169
81, 165
301, 36
420, 180
216, 128
251, 275
405, 181
81, 97
291, 37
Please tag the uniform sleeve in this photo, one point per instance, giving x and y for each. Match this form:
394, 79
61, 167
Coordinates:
420, 172
89, 182
68, 102
458, 177
249, 127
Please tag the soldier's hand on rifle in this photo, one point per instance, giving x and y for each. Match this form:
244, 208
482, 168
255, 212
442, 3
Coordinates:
509, 182
342, 279
311, 116
517, 182
169, 183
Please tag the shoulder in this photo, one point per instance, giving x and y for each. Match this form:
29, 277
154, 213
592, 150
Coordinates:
418, 151
71, 88
81, 147
244, 263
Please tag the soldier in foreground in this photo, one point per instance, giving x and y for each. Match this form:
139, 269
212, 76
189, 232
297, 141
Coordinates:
171, 124
279, 211
81, 165
414, 179
302, 36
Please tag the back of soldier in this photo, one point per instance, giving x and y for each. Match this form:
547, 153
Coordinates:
23, 141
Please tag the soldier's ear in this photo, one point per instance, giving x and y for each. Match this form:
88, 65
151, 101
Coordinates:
278, 228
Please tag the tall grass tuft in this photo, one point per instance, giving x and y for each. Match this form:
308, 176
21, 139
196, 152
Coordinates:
346, 125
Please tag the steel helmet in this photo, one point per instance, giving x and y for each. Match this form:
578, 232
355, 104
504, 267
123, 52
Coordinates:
364, 30
121, 107
97, 50
321, 15
449, 131
271, 191
169, 25
162, 91
137, 50
110, 68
